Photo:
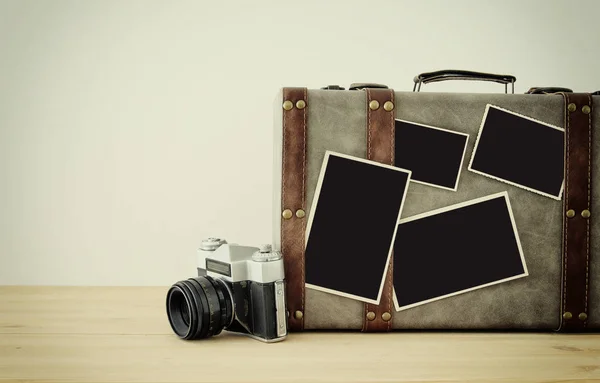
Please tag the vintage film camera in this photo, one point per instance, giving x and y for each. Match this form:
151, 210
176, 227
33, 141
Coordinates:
238, 288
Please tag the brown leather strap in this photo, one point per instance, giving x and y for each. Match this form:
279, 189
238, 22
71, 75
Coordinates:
380, 148
293, 197
577, 206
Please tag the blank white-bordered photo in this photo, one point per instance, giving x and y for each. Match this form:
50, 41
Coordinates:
433, 154
352, 225
455, 250
520, 151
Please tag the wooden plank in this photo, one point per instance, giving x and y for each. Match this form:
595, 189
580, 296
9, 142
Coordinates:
314, 357
99, 334
83, 310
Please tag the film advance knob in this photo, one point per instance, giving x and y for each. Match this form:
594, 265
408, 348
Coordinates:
211, 244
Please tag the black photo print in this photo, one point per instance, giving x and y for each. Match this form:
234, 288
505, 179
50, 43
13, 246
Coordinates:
456, 249
520, 151
433, 155
351, 227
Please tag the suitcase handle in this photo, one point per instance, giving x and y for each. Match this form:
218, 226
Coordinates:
454, 74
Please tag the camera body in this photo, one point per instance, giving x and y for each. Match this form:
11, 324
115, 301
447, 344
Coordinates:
254, 282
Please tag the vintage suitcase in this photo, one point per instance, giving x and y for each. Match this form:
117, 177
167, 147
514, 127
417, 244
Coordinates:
558, 237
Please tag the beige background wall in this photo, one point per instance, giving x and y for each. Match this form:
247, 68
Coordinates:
130, 130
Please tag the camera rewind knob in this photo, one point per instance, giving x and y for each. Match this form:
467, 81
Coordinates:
265, 248
265, 253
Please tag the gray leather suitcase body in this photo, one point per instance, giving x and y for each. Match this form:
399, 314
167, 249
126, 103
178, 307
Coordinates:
558, 237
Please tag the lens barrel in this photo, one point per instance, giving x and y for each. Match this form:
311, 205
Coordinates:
199, 307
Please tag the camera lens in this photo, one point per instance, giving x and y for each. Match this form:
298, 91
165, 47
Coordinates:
185, 315
199, 307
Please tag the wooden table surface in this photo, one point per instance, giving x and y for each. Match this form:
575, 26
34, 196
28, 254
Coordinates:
99, 334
